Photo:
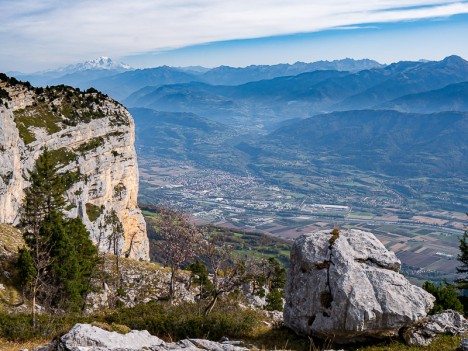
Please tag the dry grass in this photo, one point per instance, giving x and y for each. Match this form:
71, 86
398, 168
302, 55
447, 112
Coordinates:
441, 343
15, 346
10, 239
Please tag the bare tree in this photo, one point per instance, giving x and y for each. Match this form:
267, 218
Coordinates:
114, 239
179, 239
229, 271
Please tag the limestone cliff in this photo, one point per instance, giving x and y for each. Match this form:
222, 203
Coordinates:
92, 136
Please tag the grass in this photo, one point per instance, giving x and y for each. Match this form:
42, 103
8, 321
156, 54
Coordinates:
63, 156
10, 238
91, 145
6, 345
172, 323
39, 116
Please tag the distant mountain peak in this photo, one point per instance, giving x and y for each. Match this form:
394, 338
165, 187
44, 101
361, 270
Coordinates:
100, 63
454, 59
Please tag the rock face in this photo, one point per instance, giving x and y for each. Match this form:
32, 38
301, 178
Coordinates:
92, 136
446, 322
347, 287
85, 337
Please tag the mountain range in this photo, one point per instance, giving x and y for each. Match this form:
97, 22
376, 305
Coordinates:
403, 120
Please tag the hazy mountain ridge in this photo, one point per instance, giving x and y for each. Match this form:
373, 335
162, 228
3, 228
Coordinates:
225, 75
307, 94
94, 73
453, 97
390, 142
416, 78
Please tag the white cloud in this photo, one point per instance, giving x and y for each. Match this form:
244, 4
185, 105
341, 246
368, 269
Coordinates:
53, 32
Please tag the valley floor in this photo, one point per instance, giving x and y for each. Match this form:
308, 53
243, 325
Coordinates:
424, 238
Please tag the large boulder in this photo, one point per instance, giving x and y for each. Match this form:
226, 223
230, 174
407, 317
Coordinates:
86, 337
346, 287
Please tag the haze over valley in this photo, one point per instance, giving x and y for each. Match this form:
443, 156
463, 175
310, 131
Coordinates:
285, 149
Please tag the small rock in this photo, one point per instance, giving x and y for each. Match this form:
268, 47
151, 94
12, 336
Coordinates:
446, 322
464, 345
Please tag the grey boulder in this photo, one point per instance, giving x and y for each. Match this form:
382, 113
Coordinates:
86, 337
447, 322
348, 288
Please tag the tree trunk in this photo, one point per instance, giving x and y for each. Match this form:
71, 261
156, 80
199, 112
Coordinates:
171, 286
33, 310
210, 306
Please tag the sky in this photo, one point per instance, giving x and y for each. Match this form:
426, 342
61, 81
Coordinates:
43, 34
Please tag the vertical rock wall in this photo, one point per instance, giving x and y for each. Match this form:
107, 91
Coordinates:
97, 151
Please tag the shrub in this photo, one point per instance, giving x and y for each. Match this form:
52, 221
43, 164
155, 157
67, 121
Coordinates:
183, 321
446, 297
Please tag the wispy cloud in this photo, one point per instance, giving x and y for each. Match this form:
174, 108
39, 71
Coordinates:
55, 31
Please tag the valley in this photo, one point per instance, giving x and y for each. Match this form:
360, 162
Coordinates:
264, 156
425, 239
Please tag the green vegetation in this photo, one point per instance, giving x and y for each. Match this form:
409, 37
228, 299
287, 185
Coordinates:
172, 323
463, 258
59, 106
56, 264
39, 116
14, 81
119, 189
245, 244
167, 321
63, 156
446, 297
91, 145
4, 96
93, 211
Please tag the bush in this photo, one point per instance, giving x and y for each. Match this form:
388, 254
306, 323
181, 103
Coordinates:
18, 327
446, 297
184, 321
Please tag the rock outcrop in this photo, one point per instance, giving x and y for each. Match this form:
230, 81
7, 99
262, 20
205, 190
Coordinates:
347, 287
92, 136
85, 337
447, 322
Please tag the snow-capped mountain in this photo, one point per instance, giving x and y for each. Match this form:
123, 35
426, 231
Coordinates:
102, 62
80, 75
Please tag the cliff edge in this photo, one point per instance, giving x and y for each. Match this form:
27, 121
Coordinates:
92, 137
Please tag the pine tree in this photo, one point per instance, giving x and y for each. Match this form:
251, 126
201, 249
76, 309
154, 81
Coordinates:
44, 198
57, 263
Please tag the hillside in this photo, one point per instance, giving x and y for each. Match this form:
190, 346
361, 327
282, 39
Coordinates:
386, 142
453, 97
413, 79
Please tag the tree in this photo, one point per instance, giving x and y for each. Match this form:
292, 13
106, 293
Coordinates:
114, 239
58, 252
446, 297
275, 280
44, 198
75, 258
463, 258
229, 271
178, 241
199, 276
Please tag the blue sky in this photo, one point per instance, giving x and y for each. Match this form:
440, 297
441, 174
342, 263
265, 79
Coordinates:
43, 34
